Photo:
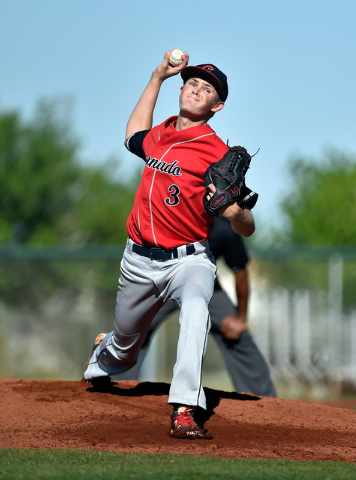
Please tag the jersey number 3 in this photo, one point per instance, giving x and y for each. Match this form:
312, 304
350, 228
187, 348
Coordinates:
174, 195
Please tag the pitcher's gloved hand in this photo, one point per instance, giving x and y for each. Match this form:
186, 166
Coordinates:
228, 177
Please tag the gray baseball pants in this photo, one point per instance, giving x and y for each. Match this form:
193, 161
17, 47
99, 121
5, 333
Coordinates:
244, 361
144, 286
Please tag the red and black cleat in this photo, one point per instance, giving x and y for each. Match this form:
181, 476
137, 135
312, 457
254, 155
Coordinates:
183, 425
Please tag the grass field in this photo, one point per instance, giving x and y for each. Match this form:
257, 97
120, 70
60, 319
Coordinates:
84, 464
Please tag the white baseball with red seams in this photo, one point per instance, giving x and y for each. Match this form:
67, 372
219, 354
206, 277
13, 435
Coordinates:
176, 57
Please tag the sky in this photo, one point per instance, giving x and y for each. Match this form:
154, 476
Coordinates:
290, 65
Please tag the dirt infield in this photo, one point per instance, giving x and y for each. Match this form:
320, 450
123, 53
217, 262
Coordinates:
133, 416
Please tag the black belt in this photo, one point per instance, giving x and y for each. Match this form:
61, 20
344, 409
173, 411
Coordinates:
156, 253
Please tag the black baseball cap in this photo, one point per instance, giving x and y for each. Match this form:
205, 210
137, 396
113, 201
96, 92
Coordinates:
210, 73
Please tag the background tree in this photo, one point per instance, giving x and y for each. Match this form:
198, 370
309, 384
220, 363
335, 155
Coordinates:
320, 213
104, 205
321, 208
47, 195
38, 169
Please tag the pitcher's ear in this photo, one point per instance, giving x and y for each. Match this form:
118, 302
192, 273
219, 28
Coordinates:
219, 106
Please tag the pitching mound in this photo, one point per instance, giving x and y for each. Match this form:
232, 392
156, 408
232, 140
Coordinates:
134, 416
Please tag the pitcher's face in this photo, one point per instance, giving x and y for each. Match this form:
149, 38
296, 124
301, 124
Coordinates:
198, 98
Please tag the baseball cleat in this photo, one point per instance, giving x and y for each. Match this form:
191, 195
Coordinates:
183, 425
97, 342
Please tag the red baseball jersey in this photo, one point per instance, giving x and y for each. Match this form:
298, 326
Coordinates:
168, 209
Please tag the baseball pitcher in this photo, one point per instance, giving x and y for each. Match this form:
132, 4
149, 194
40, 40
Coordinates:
167, 255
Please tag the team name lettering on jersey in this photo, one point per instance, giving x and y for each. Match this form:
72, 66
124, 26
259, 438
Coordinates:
162, 166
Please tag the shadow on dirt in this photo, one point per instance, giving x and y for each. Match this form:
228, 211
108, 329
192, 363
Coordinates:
213, 397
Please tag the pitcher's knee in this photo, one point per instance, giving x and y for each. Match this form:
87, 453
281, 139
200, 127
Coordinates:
121, 350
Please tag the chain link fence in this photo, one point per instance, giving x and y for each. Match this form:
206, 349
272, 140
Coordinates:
302, 314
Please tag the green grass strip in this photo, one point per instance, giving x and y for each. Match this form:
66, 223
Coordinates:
86, 464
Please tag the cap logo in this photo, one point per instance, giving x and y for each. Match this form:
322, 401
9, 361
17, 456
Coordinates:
208, 67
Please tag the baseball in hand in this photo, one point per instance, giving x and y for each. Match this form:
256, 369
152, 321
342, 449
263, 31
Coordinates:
176, 57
